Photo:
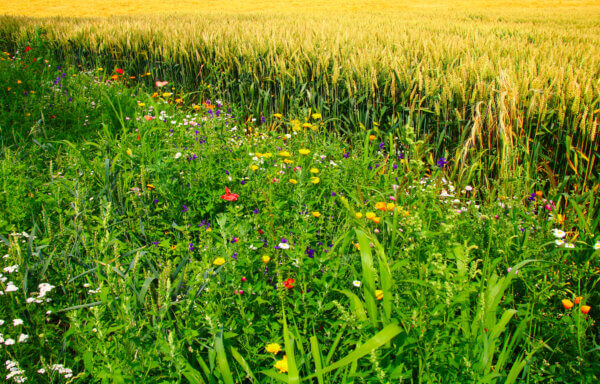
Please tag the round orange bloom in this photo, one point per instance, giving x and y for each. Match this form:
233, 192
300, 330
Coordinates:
372, 137
381, 206
538, 193
585, 309
568, 304
578, 299
376, 220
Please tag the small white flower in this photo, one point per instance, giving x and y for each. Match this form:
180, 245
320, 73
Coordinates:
284, 245
9, 342
23, 338
356, 283
17, 322
1, 322
569, 245
11, 269
11, 287
559, 234
597, 246
468, 188
41, 371
177, 155
559, 242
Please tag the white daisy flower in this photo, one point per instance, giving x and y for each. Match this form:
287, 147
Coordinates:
356, 283
559, 234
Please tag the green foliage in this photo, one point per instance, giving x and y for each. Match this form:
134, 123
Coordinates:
387, 267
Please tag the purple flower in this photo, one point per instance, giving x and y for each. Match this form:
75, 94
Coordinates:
155, 243
333, 193
155, 201
346, 155
191, 246
310, 252
185, 208
234, 256
381, 145
283, 240
255, 211
442, 162
401, 156
262, 119
243, 182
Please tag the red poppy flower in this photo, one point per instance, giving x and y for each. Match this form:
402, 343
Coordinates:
261, 231
28, 48
289, 283
148, 117
119, 71
228, 196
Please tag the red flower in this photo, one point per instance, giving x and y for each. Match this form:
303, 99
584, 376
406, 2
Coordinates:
228, 196
28, 48
289, 283
148, 118
119, 71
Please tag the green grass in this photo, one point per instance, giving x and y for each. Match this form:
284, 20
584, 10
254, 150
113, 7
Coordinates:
124, 217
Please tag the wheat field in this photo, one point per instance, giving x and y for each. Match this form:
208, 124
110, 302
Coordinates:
519, 80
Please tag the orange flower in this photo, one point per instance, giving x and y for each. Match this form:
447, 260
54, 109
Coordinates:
381, 206
372, 137
289, 283
568, 304
376, 220
539, 193
585, 309
578, 299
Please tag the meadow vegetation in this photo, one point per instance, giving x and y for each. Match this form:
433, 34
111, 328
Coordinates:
383, 193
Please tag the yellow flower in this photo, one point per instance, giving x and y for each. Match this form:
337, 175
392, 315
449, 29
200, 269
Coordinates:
357, 246
196, 107
219, 261
254, 167
273, 348
314, 170
315, 180
101, 69
179, 100
376, 219
304, 151
316, 214
141, 104
288, 161
266, 259
307, 125
284, 154
267, 155
129, 153
358, 215
208, 229
278, 115
150, 186
316, 116
390, 206
282, 365
293, 181
378, 294
166, 94
371, 215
